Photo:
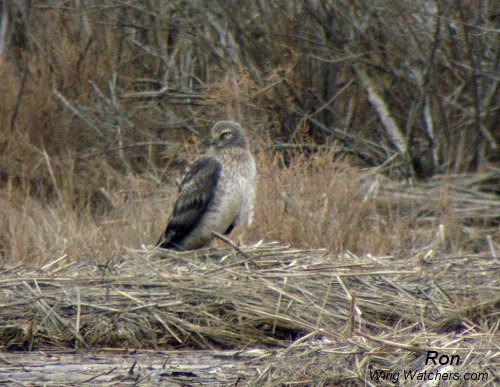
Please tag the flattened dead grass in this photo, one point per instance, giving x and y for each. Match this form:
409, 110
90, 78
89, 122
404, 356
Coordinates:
334, 316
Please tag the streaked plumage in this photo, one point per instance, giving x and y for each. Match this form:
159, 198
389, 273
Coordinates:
216, 194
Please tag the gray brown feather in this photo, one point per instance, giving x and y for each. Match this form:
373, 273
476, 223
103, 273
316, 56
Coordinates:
196, 191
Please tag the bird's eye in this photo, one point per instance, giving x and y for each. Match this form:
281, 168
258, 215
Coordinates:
225, 135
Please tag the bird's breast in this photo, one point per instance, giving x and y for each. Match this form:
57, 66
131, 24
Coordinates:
226, 204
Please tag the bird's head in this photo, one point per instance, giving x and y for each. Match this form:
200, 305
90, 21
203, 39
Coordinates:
226, 134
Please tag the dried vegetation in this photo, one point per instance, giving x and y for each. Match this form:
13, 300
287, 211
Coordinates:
375, 127
332, 318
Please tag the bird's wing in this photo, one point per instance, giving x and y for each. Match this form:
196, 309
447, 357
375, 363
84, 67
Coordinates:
196, 191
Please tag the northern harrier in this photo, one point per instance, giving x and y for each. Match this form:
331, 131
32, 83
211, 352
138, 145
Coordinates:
216, 194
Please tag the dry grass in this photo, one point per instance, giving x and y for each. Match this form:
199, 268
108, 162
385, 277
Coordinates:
323, 202
312, 202
103, 103
421, 274
337, 316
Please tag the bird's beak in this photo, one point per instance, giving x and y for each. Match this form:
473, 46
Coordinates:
215, 141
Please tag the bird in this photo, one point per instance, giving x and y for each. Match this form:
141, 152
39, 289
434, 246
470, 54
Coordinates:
216, 194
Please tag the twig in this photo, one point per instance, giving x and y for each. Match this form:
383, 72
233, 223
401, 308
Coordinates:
491, 245
98, 375
131, 370
53, 176
138, 144
325, 299
117, 124
333, 98
352, 311
20, 95
78, 311
53, 262
233, 245
284, 145
164, 91
280, 296
263, 90
408, 347
230, 243
78, 114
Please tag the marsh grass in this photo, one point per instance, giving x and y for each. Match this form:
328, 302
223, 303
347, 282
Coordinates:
309, 202
356, 249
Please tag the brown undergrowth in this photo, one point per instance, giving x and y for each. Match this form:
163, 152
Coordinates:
323, 318
310, 202
374, 136
408, 268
